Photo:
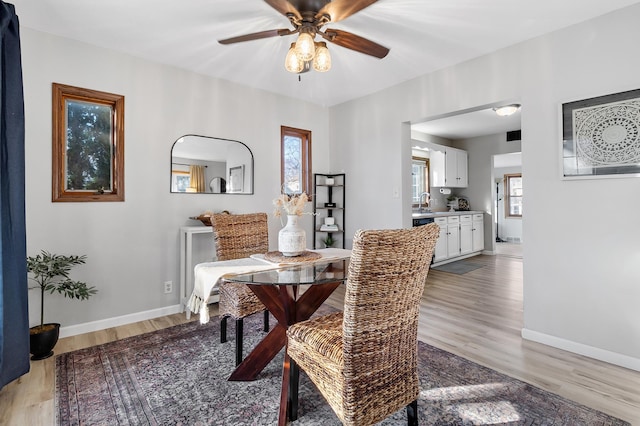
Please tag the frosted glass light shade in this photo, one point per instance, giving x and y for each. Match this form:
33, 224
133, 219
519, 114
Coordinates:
292, 62
305, 47
506, 110
322, 60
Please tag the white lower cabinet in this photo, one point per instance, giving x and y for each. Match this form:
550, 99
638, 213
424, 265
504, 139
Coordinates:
441, 252
453, 236
466, 234
478, 232
460, 235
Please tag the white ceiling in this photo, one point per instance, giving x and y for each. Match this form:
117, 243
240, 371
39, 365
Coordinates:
469, 125
423, 36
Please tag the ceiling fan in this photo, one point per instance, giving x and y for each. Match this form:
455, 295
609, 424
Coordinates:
309, 18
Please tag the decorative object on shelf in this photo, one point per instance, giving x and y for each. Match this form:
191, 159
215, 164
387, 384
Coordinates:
292, 239
600, 136
328, 241
51, 273
329, 181
329, 228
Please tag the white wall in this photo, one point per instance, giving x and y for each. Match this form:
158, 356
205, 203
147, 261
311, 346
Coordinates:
132, 246
581, 272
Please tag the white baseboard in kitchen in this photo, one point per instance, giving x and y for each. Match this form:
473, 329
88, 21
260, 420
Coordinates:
582, 349
88, 327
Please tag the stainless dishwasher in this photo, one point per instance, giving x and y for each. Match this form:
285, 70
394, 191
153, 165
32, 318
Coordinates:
422, 221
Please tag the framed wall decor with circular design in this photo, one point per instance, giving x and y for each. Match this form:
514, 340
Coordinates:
601, 136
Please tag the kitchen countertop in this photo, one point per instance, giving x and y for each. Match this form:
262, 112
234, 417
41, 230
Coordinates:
416, 215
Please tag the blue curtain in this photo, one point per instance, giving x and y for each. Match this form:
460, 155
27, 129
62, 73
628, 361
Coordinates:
14, 315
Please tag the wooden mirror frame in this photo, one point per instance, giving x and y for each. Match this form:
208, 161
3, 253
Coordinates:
62, 93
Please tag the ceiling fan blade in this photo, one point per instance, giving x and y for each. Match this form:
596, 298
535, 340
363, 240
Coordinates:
284, 7
355, 42
256, 36
341, 9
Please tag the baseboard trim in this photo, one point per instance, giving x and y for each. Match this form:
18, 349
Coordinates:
582, 349
88, 327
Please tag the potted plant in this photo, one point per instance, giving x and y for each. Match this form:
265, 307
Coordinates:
328, 241
50, 272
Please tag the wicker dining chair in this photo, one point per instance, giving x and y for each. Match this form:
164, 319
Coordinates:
237, 236
364, 360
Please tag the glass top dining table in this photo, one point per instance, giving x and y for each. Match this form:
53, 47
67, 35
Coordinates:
296, 274
280, 291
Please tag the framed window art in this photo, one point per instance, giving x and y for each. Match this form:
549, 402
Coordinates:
601, 136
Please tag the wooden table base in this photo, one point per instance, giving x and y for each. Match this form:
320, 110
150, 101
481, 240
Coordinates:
283, 303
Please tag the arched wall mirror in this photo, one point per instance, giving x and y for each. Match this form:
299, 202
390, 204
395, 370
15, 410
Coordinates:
206, 165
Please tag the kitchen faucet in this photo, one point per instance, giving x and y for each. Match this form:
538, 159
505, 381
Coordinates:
426, 202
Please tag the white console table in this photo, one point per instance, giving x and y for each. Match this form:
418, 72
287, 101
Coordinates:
186, 263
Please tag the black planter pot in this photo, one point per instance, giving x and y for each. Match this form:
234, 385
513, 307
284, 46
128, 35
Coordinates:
43, 341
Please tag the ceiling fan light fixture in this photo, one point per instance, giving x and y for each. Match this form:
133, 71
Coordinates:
305, 46
292, 62
507, 110
322, 59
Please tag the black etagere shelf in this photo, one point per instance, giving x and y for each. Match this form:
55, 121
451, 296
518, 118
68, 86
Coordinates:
328, 207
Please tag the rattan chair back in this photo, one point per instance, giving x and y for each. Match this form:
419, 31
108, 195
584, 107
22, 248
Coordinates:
240, 235
387, 274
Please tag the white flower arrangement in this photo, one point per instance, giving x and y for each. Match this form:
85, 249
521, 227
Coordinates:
290, 204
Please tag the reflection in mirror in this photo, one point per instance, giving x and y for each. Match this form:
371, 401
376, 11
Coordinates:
202, 164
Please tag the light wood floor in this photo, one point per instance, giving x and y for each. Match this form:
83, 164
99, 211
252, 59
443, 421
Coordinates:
477, 315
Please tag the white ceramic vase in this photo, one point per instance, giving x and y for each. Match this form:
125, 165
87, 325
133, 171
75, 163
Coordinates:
292, 240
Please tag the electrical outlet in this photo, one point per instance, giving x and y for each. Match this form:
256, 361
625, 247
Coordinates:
168, 286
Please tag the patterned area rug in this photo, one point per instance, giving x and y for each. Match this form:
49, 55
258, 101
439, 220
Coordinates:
177, 376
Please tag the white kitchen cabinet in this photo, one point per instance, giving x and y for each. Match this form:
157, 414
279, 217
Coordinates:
478, 231
456, 164
461, 235
466, 234
440, 251
453, 236
437, 166
449, 167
